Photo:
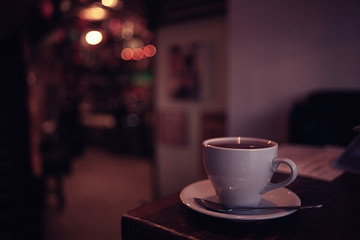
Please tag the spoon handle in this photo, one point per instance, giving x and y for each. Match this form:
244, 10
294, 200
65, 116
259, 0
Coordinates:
214, 206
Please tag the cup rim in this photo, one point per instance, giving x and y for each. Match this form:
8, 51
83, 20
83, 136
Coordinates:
206, 143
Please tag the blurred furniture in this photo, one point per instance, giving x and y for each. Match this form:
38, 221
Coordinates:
56, 163
168, 218
325, 117
58, 149
61, 141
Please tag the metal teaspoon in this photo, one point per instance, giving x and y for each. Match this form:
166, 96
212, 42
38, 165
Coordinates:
218, 207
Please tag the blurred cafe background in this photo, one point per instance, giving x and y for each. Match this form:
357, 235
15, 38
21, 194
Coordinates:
104, 104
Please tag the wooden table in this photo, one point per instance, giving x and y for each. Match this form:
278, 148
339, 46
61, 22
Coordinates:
168, 218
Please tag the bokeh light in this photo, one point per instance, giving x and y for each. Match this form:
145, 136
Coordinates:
127, 30
93, 13
149, 50
127, 33
93, 37
127, 54
138, 53
109, 3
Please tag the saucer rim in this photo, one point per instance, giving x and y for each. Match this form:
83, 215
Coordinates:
190, 203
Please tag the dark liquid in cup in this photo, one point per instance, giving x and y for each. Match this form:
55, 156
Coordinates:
249, 145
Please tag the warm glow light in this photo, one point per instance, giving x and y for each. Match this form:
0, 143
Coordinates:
93, 13
109, 3
149, 50
127, 30
127, 33
93, 37
127, 54
134, 43
129, 24
138, 54
114, 4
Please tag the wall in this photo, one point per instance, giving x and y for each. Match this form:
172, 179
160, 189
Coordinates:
178, 164
281, 50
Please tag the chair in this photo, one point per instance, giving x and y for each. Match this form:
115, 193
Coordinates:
325, 117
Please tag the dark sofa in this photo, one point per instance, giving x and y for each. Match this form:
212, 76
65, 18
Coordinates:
325, 117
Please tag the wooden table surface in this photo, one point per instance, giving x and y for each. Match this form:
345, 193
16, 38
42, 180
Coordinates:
339, 218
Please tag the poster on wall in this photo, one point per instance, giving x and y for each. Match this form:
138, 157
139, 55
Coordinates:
189, 76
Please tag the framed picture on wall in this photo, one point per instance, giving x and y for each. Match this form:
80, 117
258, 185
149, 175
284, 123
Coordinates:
189, 71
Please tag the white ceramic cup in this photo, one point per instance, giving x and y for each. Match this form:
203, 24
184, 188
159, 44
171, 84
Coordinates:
240, 168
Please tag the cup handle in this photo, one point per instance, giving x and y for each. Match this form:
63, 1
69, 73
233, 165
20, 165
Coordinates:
290, 179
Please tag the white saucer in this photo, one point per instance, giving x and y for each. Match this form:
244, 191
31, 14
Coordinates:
277, 197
